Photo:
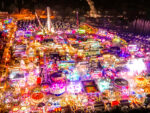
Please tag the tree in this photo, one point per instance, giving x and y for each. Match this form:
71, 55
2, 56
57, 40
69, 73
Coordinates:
2, 4
14, 8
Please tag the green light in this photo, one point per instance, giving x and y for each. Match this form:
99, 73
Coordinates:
81, 31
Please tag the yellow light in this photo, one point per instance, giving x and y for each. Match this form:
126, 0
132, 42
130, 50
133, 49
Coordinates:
23, 108
15, 109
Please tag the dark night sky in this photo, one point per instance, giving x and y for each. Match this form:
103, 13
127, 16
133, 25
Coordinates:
117, 5
79, 3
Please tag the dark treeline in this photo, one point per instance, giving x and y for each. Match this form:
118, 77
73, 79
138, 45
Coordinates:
133, 8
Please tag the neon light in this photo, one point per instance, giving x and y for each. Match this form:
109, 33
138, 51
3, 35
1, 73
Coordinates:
73, 76
74, 87
136, 66
81, 31
103, 85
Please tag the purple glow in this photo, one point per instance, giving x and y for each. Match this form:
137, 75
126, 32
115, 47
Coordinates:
74, 87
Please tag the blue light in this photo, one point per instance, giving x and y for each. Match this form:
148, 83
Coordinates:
73, 76
103, 85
